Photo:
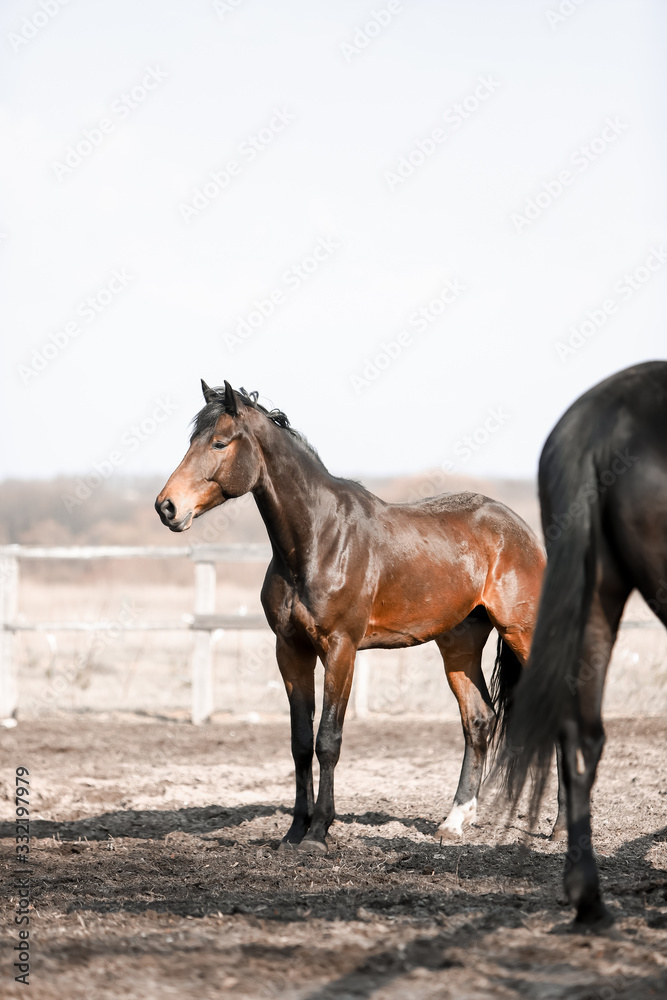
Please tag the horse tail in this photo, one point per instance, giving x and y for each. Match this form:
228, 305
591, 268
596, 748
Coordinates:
504, 679
545, 695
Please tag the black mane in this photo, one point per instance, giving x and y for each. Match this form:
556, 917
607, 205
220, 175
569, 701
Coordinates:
208, 416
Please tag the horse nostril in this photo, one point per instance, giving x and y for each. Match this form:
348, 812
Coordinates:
168, 509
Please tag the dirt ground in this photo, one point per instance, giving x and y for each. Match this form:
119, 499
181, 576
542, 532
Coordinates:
156, 872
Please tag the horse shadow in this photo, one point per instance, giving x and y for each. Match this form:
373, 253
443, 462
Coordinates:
531, 885
538, 875
147, 824
431, 952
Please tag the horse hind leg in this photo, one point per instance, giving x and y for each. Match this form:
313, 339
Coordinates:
582, 742
559, 830
519, 640
461, 650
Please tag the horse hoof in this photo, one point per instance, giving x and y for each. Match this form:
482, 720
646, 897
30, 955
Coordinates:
587, 926
592, 919
453, 835
311, 846
557, 834
462, 814
287, 846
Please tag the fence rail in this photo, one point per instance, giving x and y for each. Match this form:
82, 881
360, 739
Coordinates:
202, 624
237, 552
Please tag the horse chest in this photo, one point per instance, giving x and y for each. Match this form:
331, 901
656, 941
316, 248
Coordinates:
295, 616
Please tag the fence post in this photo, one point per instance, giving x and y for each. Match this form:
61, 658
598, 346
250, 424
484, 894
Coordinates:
202, 662
360, 685
9, 582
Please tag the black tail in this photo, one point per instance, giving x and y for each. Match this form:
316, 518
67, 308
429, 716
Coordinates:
505, 677
546, 692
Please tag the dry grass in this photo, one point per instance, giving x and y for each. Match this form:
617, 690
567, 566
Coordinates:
150, 672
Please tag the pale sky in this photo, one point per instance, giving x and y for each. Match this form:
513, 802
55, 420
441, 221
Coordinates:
495, 166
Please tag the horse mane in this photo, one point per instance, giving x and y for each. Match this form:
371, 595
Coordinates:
207, 418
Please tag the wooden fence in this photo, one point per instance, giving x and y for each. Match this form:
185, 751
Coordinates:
204, 621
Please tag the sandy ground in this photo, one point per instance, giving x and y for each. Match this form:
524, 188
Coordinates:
156, 874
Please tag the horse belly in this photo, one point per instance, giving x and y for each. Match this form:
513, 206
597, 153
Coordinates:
398, 620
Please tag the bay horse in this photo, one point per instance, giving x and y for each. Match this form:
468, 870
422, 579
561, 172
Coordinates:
603, 496
350, 572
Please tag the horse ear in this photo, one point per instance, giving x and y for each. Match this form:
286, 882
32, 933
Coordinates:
230, 401
209, 394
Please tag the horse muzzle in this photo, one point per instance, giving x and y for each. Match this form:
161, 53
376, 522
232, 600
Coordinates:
167, 511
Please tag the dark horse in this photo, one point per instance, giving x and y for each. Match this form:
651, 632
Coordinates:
350, 572
603, 492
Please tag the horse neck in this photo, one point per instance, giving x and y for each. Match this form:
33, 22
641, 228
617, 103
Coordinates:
295, 496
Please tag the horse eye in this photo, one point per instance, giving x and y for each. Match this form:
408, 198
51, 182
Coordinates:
218, 445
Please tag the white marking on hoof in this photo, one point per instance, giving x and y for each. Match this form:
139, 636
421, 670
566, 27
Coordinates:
460, 814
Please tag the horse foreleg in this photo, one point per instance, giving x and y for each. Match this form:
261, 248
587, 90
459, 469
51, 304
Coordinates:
297, 666
338, 670
461, 650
